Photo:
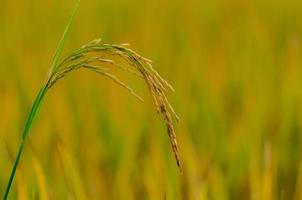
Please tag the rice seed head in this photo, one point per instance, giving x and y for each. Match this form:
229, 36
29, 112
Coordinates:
94, 55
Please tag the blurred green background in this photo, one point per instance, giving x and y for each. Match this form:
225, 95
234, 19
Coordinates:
236, 66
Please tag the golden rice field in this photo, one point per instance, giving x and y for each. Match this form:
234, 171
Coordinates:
236, 67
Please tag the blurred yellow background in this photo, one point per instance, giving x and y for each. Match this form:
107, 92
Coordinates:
236, 66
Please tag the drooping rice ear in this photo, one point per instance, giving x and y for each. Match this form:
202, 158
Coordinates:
94, 54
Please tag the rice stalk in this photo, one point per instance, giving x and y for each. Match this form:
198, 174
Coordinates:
39, 99
92, 56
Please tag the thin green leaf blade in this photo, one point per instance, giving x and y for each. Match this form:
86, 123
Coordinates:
38, 101
34, 111
11, 177
32, 115
63, 39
